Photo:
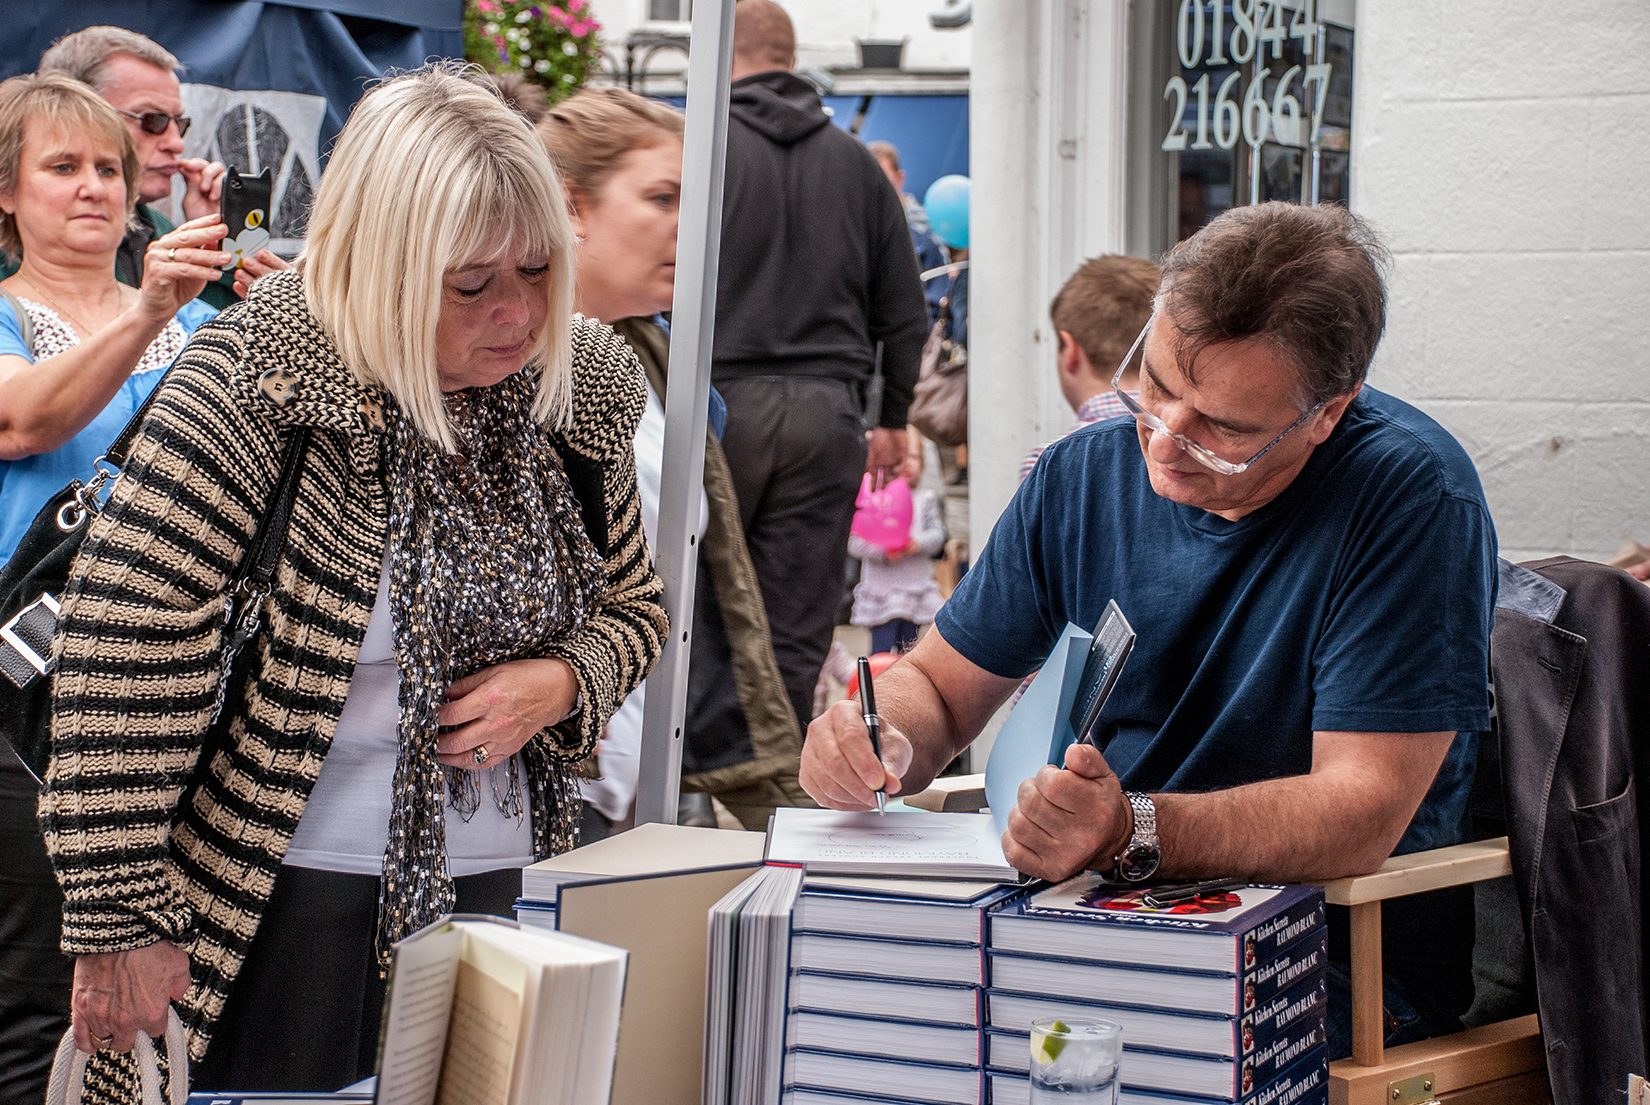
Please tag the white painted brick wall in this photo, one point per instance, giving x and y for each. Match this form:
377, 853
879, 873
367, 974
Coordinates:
1502, 149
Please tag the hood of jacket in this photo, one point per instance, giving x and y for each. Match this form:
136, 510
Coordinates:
779, 105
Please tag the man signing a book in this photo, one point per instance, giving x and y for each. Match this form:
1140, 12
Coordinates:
1310, 566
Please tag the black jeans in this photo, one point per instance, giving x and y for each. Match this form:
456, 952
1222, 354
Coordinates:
35, 976
796, 452
304, 1011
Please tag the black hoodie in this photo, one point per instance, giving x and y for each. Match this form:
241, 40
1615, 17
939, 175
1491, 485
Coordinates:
816, 263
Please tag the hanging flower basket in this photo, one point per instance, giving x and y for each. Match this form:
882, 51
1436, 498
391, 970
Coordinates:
553, 45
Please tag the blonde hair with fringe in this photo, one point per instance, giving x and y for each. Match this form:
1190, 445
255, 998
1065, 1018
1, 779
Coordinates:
434, 172
56, 102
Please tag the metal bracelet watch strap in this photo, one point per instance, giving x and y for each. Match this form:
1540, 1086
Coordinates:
1140, 856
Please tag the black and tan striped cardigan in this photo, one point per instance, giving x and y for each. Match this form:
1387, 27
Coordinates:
151, 839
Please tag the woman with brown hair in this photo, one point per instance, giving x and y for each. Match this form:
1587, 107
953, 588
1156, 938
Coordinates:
621, 163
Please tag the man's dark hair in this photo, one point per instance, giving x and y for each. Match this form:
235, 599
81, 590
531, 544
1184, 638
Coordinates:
1104, 305
1307, 280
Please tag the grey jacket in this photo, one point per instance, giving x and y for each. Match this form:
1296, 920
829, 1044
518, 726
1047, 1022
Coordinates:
1571, 654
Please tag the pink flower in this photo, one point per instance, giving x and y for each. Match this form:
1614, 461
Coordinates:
575, 5
580, 29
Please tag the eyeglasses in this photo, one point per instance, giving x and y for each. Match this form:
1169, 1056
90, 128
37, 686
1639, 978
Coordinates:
156, 122
1197, 452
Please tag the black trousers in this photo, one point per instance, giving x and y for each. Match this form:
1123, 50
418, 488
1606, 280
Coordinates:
304, 1012
796, 452
35, 976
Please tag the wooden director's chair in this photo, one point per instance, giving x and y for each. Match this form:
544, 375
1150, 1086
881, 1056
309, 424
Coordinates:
1497, 1064
1502, 1063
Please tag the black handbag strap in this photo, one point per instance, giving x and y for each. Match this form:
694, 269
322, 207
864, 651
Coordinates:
121, 447
259, 566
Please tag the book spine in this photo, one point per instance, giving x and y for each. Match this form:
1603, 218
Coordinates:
1304, 1083
1278, 974
1306, 1002
1269, 937
1304, 1035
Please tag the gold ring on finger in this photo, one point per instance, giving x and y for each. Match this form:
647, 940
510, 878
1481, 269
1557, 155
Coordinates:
103, 1041
481, 754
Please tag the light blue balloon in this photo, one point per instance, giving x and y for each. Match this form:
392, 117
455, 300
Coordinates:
947, 205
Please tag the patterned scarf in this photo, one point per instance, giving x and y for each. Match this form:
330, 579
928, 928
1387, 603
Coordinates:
490, 562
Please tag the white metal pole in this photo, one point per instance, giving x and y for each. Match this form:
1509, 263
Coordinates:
687, 400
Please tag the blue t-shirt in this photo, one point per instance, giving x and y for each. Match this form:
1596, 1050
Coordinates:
25, 484
1360, 599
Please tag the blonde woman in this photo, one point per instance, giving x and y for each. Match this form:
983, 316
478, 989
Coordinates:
464, 598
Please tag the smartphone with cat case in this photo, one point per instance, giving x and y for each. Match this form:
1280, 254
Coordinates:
245, 210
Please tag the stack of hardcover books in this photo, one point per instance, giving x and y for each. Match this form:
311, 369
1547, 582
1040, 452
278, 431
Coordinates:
1221, 996
885, 992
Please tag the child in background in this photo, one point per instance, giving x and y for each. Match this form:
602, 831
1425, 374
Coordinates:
896, 591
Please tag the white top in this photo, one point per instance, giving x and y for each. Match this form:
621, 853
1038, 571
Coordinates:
346, 824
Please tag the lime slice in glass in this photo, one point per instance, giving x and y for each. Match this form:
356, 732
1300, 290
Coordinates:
1051, 1046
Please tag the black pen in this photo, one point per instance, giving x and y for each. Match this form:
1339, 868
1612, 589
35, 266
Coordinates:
1160, 896
873, 725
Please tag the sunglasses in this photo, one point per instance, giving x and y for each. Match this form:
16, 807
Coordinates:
156, 122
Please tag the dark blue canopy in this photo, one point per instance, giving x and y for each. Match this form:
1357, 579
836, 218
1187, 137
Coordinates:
326, 48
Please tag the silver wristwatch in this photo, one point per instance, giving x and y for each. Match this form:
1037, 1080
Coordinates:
1141, 855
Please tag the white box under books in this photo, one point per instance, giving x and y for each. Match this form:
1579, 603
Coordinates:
649, 890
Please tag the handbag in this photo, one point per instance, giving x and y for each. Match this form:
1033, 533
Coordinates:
939, 403
35, 578
68, 1075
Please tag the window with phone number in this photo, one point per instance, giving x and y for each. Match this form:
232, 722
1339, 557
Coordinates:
1260, 107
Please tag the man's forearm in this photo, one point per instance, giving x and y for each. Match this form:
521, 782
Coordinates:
1281, 830
1342, 819
908, 700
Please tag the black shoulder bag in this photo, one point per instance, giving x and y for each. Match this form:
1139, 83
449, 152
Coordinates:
33, 581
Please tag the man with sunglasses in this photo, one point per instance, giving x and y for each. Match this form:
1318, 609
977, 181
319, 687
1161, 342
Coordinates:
1310, 566
138, 78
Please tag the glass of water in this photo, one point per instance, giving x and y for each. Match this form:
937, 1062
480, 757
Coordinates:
1074, 1062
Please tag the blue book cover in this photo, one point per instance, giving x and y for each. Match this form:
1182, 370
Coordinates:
1168, 987
1224, 932
1219, 1037
955, 1003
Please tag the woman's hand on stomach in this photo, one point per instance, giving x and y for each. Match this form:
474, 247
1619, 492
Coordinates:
498, 709
171, 279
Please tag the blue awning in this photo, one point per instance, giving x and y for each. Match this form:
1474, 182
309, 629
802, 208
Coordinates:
930, 132
324, 48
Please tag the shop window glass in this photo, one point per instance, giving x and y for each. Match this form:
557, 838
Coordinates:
1235, 102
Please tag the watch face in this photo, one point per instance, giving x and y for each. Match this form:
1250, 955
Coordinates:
1139, 860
